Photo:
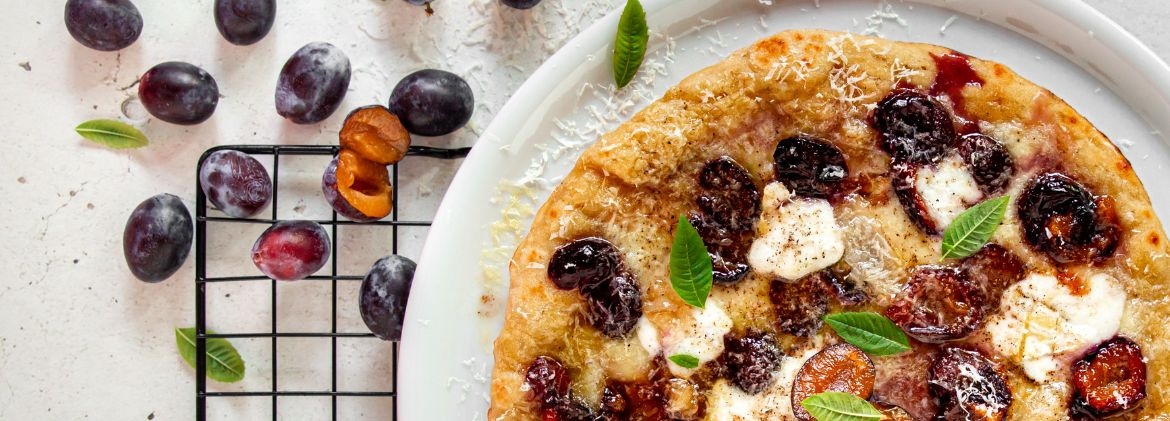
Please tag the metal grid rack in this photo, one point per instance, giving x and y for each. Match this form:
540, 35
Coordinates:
201, 280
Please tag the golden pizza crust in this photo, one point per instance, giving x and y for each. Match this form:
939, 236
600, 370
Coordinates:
631, 185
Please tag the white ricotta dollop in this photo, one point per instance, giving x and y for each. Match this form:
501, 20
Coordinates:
795, 236
700, 336
648, 337
1041, 320
947, 189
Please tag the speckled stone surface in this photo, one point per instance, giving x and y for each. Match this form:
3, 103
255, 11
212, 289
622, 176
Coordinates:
80, 338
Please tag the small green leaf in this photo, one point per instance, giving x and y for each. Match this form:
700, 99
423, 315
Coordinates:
973, 228
840, 406
112, 133
685, 361
871, 332
223, 361
690, 265
630, 44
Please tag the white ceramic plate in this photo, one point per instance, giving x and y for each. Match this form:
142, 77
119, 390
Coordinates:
460, 288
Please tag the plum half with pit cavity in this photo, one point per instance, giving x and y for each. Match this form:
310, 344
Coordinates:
357, 188
1063, 220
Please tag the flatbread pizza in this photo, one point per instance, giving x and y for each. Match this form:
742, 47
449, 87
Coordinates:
893, 225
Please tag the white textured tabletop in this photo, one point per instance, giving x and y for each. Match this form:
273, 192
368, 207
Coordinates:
80, 338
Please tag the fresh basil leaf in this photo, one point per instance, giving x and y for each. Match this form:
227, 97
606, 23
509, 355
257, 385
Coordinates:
840, 406
690, 265
112, 133
973, 228
629, 47
871, 332
224, 363
685, 361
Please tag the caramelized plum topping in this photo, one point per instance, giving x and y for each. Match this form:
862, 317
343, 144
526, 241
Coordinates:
751, 361
799, 305
893, 412
583, 262
810, 167
1062, 219
375, 134
613, 401
968, 387
729, 205
838, 368
547, 381
570, 410
993, 269
903, 178
730, 198
683, 399
836, 278
1110, 379
988, 160
727, 248
614, 305
938, 304
914, 127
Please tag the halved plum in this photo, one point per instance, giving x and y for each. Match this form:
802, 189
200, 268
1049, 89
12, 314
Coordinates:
357, 188
376, 134
838, 368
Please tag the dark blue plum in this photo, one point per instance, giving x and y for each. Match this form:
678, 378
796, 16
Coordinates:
244, 22
432, 102
104, 25
520, 4
235, 182
312, 83
382, 299
178, 93
157, 238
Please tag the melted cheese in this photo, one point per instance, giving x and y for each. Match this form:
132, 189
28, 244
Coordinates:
1041, 320
947, 189
796, 236
700, 335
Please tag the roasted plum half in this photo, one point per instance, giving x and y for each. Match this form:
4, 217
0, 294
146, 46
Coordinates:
729, 196
547, 381
1063, 220
837, 368
595, 268
586, 261
357, 188
729, 205
809, 166
799, 305
993, 269
938, 304
751, 360
914, 127
968, 386
1109, 380
613, 306
376, 134
988, 160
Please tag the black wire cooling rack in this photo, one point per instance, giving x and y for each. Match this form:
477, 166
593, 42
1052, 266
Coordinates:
202, 396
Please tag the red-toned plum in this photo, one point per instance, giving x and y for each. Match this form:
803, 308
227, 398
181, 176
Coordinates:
291, 250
